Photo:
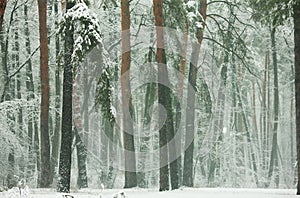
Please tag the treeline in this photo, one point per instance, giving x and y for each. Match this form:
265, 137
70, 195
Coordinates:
138, 93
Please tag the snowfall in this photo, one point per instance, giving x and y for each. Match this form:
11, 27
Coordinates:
146, 193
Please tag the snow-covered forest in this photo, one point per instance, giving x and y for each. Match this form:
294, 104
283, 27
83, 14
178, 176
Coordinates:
163, 95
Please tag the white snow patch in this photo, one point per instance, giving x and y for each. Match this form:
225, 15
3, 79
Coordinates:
150, 193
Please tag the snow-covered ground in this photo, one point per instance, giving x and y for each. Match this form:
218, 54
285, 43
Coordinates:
143, 193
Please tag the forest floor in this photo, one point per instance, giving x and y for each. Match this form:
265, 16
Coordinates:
145, 193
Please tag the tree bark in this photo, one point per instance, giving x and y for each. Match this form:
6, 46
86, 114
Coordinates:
161, 59
273, 167
44, 117
190, 111
168, 156
130, 158
67, 118
82, 181
296, 16
55, 141
30, 96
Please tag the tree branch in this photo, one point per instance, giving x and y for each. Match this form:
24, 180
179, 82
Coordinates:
28, 59
234, 53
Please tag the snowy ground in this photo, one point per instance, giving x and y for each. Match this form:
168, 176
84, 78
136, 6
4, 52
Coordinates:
142, 193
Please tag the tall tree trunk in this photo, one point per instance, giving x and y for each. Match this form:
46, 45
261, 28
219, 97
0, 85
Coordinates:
190, 111
55, 141
44, 117
296, 16
273, 167
30, 96
145, 141
16, 60
130, 158
66, 128
166, 132
161, 59
178, 113
265, 114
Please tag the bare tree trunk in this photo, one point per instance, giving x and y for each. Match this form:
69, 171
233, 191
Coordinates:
16, 60
130, 158
265, 115
67, 118
162, 76
273, 167
44, 122
82, 181
55, 141
190, 111
178, 114
30, 96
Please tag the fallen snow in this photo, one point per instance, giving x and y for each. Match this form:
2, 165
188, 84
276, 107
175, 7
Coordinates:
146, 193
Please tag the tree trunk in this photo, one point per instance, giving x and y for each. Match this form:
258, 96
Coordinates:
296, 16
265, 115
273, 167
145, 141
16, 60
66, 128
44, 117
130, 161
190, 120
161, 59
55, 141
78, 130
178, 114
82, 180
166, 132
30, 96
190, 111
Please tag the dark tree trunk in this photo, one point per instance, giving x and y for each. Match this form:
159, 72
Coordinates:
190, 120
66, 128
130, 158
190, 111
44, 117
161, 59
296, 10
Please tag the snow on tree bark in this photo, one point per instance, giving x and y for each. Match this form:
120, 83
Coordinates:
66, 128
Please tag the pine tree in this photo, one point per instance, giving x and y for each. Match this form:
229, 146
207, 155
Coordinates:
130, 158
